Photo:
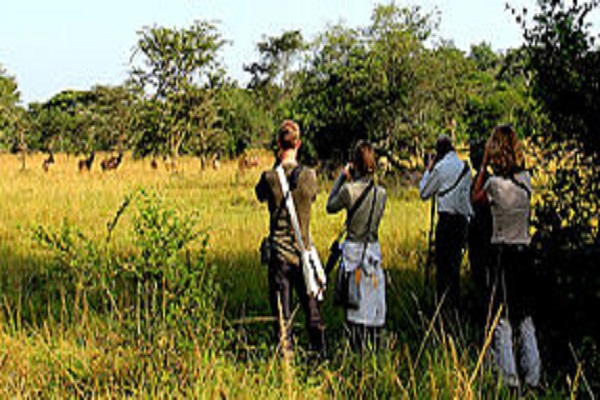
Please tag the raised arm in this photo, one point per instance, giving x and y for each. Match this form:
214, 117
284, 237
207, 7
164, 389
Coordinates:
478, 196
338, 198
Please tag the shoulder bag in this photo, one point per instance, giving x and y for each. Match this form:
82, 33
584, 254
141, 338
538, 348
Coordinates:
347, 284
312, 269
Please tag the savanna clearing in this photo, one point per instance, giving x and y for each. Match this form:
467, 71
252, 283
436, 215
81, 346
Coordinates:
89, 340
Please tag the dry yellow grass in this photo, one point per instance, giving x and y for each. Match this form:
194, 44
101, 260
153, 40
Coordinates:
223, 199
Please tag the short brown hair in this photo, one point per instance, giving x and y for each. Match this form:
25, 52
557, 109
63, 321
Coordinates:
364, 158
289, 135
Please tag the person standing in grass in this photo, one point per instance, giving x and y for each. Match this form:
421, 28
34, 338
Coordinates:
448, 178
285, 269
355, 191
508, 192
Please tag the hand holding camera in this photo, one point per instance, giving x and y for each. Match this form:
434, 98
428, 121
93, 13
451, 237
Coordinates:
429, 161
348, 171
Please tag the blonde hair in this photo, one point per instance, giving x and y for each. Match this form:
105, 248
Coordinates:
505, 151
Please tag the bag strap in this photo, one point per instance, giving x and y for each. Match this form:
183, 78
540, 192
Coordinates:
291, 207
521, 185
359, 201
362, 258
352, 210
464, 171
294, 178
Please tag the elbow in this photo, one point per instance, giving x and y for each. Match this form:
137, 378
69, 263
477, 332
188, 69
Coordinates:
330, 209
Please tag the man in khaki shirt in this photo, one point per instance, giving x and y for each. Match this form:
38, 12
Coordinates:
285, 269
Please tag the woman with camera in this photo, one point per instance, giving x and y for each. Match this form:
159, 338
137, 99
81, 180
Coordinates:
355, 191
508, 192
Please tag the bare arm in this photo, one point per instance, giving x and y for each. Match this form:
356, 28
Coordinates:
479, 196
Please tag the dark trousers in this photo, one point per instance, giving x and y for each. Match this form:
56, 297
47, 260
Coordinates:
481, 259
513, 282
450, 240
283, 278
363, 337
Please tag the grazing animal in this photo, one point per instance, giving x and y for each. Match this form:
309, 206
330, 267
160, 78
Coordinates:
112, 162
86, 163
170, 163
253, 162
247, 162
153, 164
47, 162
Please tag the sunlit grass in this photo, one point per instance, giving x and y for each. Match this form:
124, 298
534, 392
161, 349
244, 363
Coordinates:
54, 357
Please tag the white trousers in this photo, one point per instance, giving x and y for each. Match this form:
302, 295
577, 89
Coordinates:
529, 356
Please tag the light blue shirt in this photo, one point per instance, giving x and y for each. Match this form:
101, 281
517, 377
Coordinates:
443, 176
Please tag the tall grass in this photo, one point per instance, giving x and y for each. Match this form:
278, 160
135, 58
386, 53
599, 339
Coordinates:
53, 346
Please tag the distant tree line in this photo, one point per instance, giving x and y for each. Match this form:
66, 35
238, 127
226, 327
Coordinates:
388, 81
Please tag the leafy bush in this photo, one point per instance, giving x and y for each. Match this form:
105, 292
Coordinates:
565, 222
170, 292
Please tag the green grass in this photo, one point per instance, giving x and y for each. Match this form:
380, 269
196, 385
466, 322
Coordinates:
52, 345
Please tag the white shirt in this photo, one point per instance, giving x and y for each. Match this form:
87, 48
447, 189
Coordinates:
443, 176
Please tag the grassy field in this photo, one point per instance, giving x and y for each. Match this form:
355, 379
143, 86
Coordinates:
60, 346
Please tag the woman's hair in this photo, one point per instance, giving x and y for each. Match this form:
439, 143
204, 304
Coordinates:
364, 158
506, 152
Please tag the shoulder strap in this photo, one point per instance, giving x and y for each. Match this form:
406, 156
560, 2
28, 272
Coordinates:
362, 258
291, 207
359, 200
464, 171
521, 185
293, 182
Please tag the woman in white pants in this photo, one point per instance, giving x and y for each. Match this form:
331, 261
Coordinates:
355, 191
508, 192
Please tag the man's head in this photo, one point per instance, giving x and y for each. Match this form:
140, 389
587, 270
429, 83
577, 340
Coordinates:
443, 146
288, 136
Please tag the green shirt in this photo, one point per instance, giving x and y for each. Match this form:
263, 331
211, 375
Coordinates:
343, 196
303, 185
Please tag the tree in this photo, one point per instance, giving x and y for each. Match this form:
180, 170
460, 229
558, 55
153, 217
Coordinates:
359, 81
272, 76
244, 123
64, 123
110, 110
9, 112
564, 61
178, 71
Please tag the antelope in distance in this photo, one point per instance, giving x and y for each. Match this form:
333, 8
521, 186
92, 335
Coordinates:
112, 162
48, 161
247, 162
86, 163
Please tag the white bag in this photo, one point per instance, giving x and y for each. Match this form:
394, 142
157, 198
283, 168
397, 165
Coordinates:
312, 269
314, 274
